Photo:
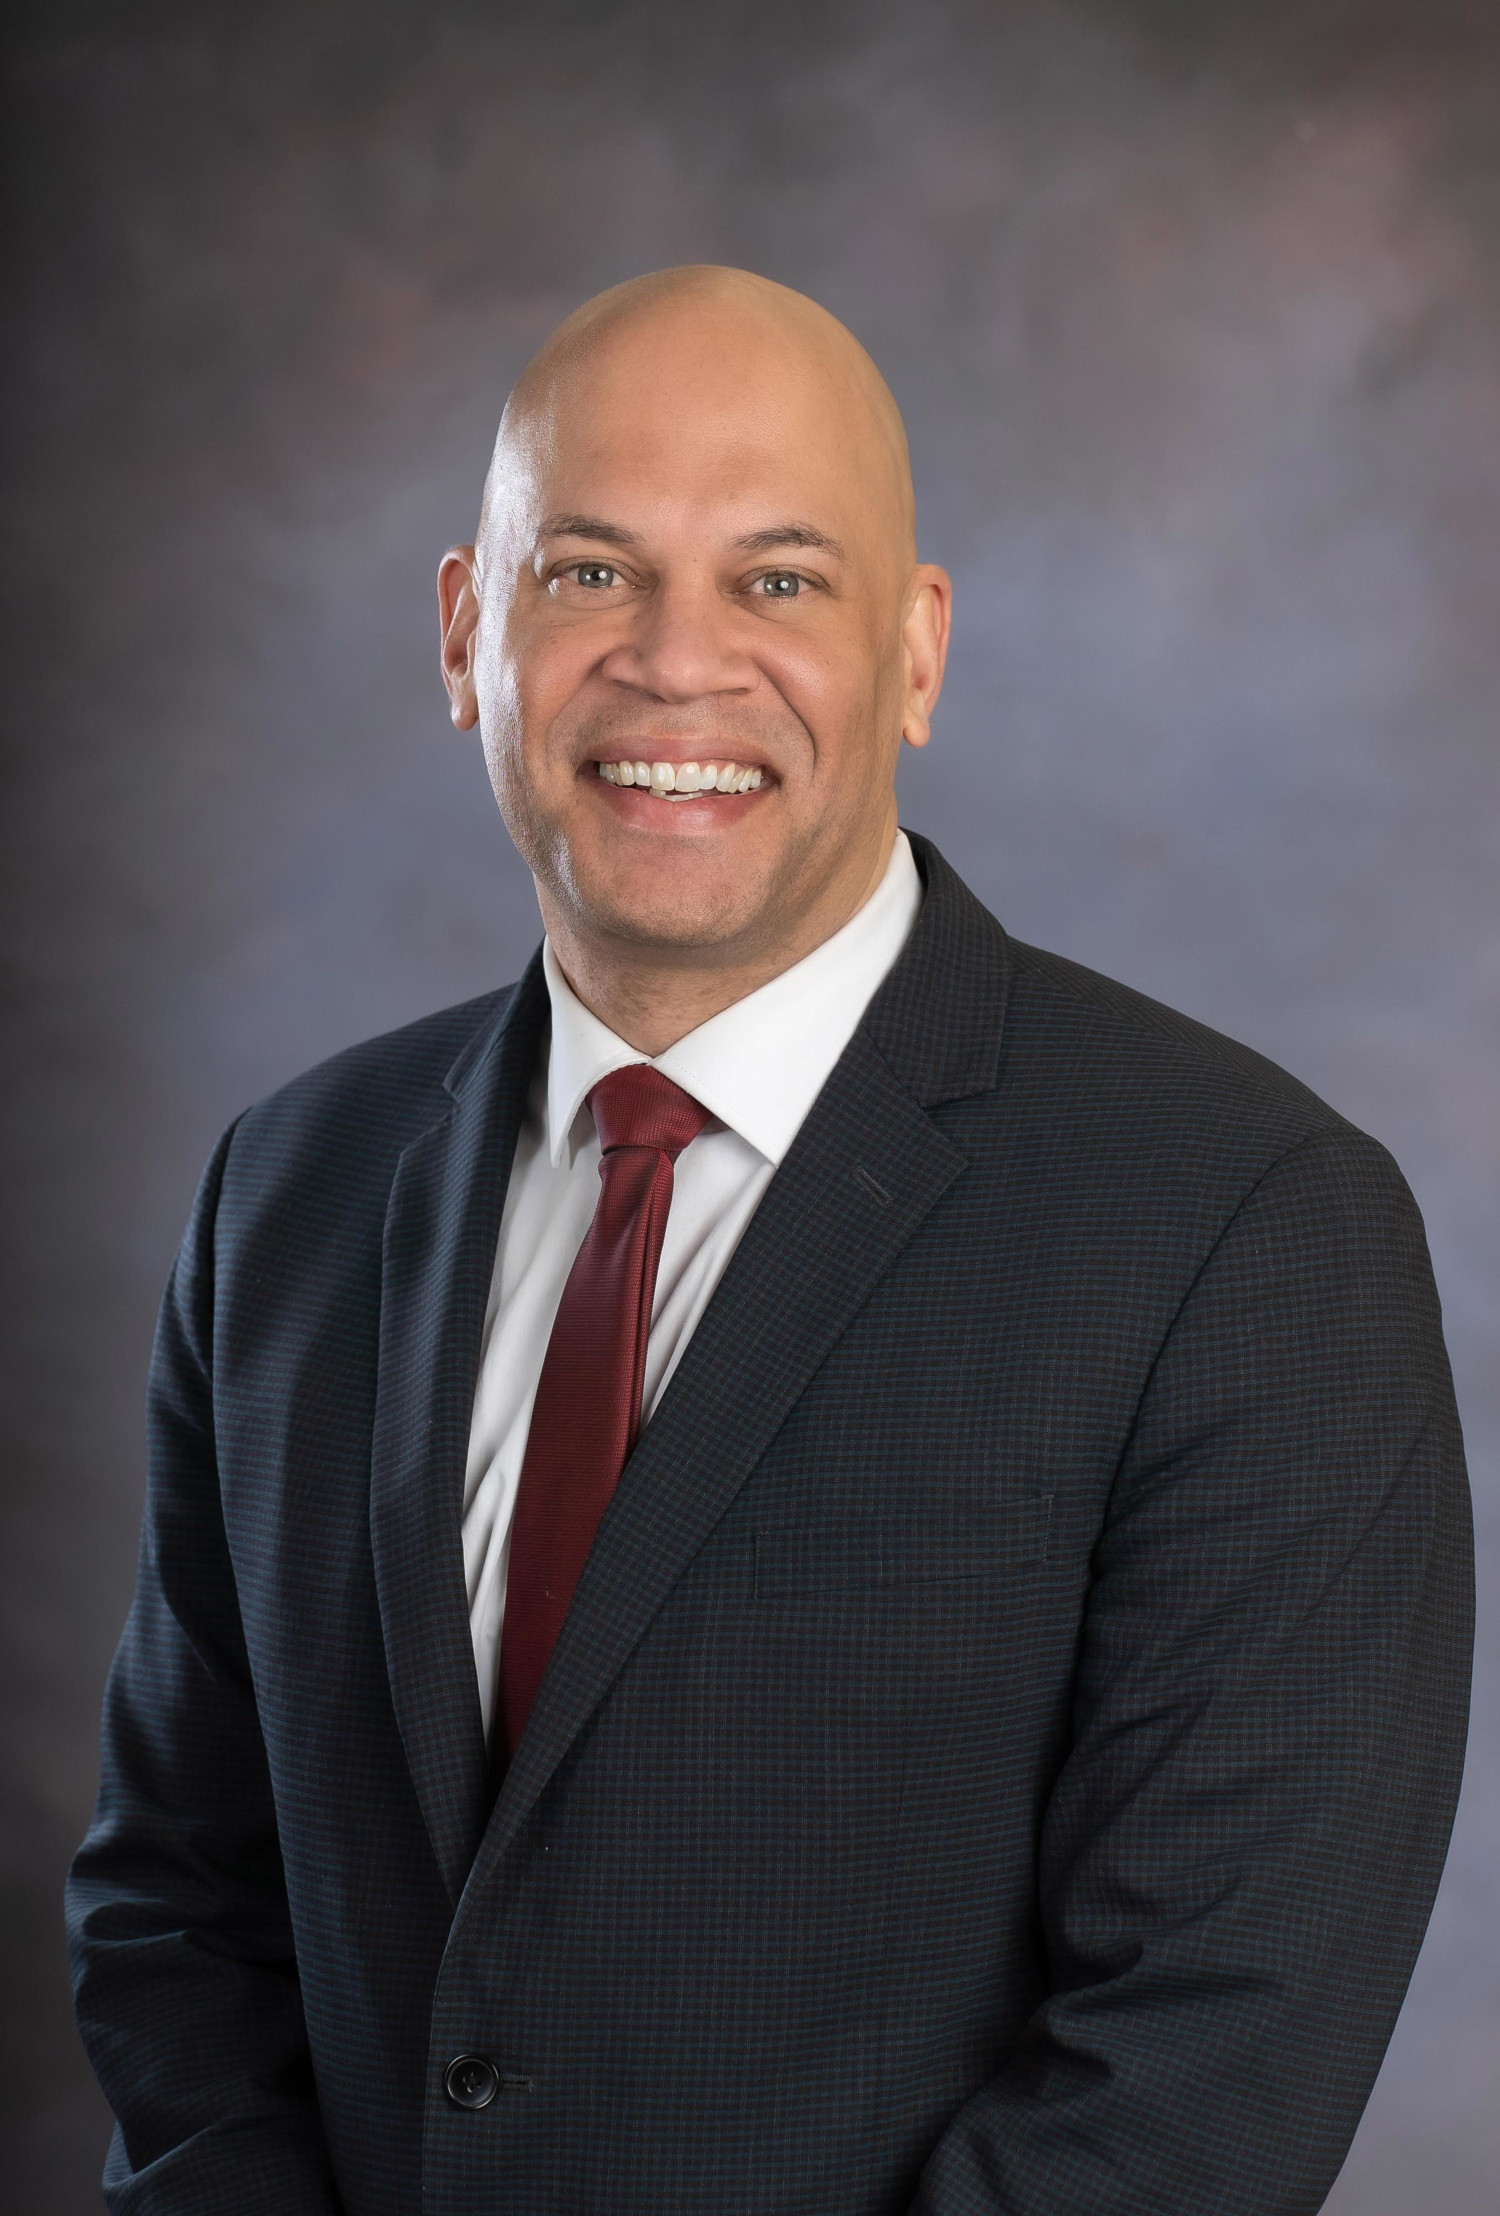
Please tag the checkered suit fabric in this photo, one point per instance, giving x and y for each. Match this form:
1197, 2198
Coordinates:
1002, 1748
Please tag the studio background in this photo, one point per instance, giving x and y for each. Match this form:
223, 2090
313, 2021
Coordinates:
1194, 311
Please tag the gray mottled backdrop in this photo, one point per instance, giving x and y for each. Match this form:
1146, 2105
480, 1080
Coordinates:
1195, 313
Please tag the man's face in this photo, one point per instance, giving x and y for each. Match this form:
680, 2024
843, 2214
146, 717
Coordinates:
697, 556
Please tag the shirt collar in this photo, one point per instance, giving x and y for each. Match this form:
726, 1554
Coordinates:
759, 1065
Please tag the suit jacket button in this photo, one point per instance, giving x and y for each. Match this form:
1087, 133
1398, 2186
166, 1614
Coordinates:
471, 2081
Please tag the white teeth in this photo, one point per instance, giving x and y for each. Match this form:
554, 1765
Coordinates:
669, 781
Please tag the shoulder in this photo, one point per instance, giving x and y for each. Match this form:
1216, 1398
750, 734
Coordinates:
1112, 1107
346, 1121
1037, 1050
1122, 1140
1102, 1044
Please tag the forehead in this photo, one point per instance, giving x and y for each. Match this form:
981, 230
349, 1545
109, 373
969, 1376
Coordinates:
690, 430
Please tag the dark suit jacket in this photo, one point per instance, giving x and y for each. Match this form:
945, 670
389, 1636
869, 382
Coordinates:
1003, 1745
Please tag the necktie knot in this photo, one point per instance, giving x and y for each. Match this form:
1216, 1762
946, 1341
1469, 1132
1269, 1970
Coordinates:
639, 1107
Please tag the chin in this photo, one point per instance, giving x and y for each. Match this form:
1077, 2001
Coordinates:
679, 911
675, 926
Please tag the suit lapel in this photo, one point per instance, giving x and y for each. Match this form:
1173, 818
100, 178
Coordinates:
865, 1170
442, 1225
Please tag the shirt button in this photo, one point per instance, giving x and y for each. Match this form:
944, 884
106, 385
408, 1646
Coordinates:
471, 2081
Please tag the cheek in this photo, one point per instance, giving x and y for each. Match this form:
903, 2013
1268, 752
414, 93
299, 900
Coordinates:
525, 682
833, 686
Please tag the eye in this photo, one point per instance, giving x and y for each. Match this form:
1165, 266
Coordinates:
779, 584
598, 576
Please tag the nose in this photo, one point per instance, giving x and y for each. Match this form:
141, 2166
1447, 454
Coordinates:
682, 645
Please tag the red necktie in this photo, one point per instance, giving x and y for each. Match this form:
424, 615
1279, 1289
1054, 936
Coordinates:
588, 1399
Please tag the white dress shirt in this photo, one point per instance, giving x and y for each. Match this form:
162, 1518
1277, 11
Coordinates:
757, 1067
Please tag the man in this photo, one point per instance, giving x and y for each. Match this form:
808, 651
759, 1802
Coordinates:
814, 1562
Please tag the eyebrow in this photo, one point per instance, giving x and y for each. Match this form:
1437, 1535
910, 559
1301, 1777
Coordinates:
790, 534
766, 541
588, 527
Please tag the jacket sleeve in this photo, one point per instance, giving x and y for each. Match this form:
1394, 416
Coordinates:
1240, 1853
184, 1964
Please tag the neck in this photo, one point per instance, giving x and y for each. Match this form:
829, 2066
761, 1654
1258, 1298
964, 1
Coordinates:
651, 1001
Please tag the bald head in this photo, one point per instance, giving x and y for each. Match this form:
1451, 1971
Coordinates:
696, 548
721, 341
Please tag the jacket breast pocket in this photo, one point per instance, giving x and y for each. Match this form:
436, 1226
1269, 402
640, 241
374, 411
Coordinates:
897, 1557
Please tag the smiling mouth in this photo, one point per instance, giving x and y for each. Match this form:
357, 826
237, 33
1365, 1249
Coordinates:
683, 780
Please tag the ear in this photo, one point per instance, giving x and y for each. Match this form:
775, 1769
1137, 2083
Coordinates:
924, 640
458, 617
